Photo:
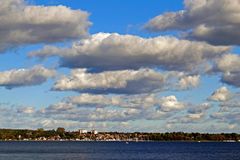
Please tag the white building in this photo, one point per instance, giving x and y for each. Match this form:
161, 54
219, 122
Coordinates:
94, 132
83, 131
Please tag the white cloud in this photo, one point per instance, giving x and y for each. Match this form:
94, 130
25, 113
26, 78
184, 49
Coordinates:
170, 103
223, 35
106, 108
187, 82
228, 117
195, 114
22, 23
215, 21
222, 94
229, 111
231, 78
101, 114
105, 51
124, 81
197, 109
233, 104
197, 12
58, 107
142, 101
189, 118
25, 77
229, 63
71, 116
26, 110
81, 114
96, 100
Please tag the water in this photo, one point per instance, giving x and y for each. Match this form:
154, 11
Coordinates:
119, 151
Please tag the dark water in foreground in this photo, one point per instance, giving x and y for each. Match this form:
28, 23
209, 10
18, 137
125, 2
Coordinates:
118, 151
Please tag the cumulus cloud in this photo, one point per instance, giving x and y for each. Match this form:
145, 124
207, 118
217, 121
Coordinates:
222, 94
96, 100
217, 35
227, 117
195, 114
232, 104
25, 77
214, 12
197, 109
12, 116
229, 65
89, 114
22, 23
113, 108
170, 103
187, 82
189, 118
229, 111
71, 115
232, 79
105, 51
125, 81
140, 101
58, 107
215, 21
26, 110
101, 114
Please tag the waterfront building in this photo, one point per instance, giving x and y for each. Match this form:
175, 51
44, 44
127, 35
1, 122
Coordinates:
82, 131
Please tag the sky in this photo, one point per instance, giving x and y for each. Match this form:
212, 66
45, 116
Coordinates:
120, 65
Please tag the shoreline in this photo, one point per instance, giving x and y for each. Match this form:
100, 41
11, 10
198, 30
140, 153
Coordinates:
124, 141
60, 134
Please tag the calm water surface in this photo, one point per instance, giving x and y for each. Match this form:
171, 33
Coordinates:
118, 151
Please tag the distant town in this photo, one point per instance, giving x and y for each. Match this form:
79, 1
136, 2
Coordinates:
93, 135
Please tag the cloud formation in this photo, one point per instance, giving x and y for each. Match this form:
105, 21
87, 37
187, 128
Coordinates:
105, 51
121, 82
232, 104
26, 110
229, 65
170, 103
125, 81
75, 111
188, 82
229, 117
229, 111
113, 108
214, 21
25, 77
195, 114
222, 94
22, 23
197, 109
142, 101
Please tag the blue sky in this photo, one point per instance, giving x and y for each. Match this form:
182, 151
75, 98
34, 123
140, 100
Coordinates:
119, 65
125, 17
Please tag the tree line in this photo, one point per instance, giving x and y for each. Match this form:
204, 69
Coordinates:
61, 133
